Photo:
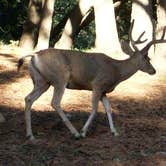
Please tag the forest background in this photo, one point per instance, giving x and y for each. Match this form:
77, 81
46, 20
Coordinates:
138, 104
87, 23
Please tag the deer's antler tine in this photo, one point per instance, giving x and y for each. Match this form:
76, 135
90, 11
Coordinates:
139, 41
161, 40
132, 23
143, 41
130, 30
130, 36
141, 35
163, 35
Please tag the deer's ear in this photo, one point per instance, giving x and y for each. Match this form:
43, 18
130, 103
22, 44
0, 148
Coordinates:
145, 55
126, 48
143, 52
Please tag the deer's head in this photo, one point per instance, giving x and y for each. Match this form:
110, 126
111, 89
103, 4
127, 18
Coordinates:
144, 61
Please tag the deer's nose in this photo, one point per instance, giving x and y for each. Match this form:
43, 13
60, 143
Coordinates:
152, 72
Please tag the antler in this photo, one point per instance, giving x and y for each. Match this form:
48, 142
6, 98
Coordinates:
138, 41
126, 48
161, 40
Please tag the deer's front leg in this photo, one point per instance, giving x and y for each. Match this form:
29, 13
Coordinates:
95, 100
58, 93
107, 108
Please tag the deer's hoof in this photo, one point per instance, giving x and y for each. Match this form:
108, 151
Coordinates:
83, 134
30, 137
115, 134
77, 136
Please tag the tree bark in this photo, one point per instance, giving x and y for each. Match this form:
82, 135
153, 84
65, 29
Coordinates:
161, 23
72, 24
30, 28
160, 56
46, 24
85, 18
107, 39
56, 31
142, 14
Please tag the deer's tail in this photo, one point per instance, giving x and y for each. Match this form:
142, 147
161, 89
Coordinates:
21, 61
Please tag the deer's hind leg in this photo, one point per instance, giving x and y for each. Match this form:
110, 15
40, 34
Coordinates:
40, 86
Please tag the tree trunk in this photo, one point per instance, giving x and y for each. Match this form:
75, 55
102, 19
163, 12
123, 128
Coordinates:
30, 28
161, 23
142, 14
107, 40
46, 24
160, 55
56, 31
72, 24
2, 119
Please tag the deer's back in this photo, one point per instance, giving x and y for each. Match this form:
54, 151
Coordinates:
78, 68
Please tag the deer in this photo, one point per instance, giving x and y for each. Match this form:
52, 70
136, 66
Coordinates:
95, 72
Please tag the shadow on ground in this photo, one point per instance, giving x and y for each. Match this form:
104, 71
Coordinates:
141, 140
140, 120
8, 69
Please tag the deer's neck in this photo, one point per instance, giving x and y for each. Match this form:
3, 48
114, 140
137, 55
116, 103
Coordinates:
128, 67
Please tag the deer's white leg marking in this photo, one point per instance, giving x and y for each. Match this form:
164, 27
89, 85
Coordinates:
34, 95
107, 108
58, 93
95, 101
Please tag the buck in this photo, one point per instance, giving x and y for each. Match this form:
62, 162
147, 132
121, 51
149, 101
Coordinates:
83, 71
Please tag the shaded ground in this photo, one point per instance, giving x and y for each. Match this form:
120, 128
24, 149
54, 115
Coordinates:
138, 105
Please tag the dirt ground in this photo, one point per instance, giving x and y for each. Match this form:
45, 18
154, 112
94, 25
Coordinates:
138, 104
